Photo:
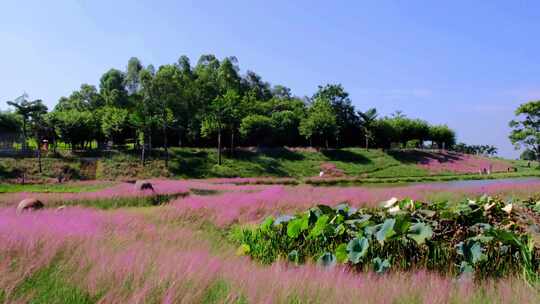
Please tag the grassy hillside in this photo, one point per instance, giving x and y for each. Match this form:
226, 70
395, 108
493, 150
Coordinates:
301, 163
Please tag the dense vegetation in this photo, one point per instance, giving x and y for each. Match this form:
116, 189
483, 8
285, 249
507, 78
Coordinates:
183, 105
486, 236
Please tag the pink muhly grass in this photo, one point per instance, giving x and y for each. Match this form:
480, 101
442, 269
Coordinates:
128, 259
230, 207
462, 163
120, 190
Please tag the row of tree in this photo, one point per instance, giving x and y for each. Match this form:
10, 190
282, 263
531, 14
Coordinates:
183, 105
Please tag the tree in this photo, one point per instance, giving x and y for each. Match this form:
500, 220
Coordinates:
30, 111
443, 136
10, 123
112, 89
258, 127
528, 154
218, 116
347, 122
526, 129
367, 120
132, 78
75, 127
114, 121
320, 121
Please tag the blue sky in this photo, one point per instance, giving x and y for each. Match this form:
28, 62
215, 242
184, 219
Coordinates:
468, 64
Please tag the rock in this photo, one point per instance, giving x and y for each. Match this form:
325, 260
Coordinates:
143, 185
29, 204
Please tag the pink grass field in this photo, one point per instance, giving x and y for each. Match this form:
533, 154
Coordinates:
238, 205
462, 163
120, 190
129, 257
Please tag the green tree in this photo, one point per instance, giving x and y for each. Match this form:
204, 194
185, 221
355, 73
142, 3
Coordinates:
77, 128
443, 136
320, 121
526, 129
367, 121
258, 127
347, 122
114, 122
30, 112
219, 116
112, 89
132, 78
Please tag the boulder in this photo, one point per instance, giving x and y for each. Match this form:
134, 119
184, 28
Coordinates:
29, 204
143, 185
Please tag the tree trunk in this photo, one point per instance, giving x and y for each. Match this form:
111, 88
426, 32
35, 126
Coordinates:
143, 150
24, 135
219, 146
39, 159
326, 142
166, 147
367, 142
232, 143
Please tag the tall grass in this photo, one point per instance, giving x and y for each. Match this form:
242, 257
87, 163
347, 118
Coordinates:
119, 257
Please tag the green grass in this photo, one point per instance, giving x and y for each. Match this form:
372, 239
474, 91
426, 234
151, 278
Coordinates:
122, 202
202, 163
50, 286
53, 188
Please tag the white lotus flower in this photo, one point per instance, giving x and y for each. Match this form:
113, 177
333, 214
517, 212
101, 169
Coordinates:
394, 209
508, 208
391, 202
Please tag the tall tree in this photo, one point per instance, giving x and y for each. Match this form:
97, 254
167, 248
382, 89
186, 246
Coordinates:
30, 111
112, 89
132, 78
219, 116
526, 129
347, 121
320, 121
367, 120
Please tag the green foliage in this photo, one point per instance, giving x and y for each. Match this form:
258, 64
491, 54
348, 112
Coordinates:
526, 130
477, 236
320, 120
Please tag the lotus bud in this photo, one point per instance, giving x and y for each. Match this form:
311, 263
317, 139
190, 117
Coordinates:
391, 202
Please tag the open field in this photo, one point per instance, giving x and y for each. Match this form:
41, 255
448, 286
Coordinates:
189, 247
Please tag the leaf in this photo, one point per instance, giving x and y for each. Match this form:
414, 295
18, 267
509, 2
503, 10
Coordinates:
362, 222
341, 253
340, 229
325, 209
357, 249
320, 226
327, 259
402, 224
420, 232
294, 257
472, 251
267, 223
386, 230
379, 265
465, 267
296, 226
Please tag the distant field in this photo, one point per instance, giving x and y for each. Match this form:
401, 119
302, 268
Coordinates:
276, 162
